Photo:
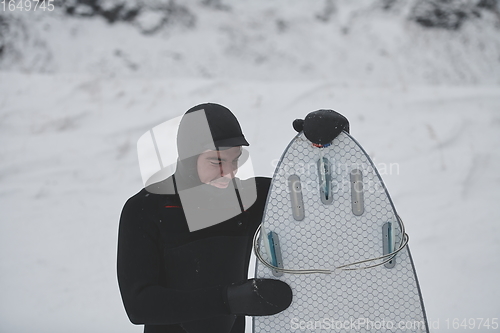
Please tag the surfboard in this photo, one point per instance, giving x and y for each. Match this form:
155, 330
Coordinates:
331, 231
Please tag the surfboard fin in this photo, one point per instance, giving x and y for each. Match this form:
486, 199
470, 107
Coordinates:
357, 197
325, 180
276, 259
295, 188
388, 243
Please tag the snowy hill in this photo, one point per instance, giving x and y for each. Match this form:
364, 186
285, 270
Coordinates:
77, 92
372, 41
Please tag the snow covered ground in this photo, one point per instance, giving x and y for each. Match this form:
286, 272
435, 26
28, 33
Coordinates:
261, 40
424, 106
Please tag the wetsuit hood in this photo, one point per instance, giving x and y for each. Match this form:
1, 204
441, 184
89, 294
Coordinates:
206, 127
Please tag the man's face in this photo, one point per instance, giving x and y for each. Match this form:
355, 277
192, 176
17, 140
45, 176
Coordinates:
218, 167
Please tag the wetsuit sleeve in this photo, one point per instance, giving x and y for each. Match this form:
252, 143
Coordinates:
139, 263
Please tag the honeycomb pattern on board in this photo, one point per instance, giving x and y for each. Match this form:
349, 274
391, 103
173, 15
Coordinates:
376, 299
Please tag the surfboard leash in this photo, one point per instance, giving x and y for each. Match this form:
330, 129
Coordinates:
347, 267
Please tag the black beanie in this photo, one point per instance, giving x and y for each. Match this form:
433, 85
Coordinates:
207, 127
194, 137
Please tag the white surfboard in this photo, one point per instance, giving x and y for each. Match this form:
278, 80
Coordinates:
327, 209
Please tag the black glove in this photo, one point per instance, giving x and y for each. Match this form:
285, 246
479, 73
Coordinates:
258, 297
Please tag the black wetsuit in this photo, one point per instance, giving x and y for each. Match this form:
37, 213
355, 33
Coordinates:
173, 280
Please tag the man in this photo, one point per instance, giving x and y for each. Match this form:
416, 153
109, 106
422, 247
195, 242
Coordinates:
184, 243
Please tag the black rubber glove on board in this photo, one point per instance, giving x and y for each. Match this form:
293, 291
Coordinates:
258, 297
